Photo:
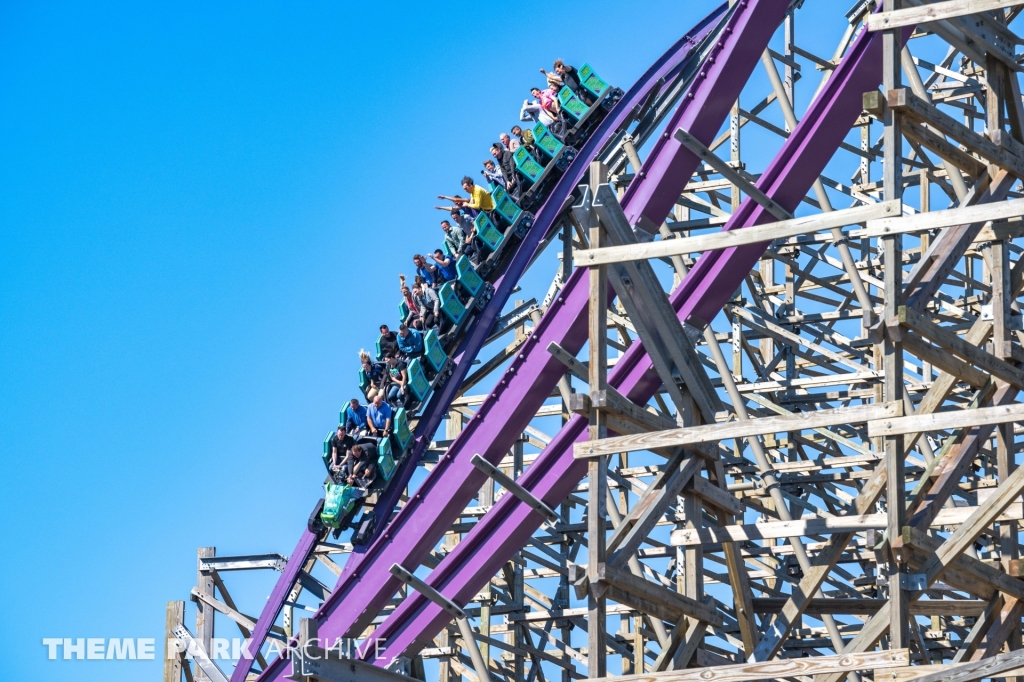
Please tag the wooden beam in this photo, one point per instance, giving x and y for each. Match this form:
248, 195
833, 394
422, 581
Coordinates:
946, 150
655, 599
932, 220
909, 104
575, 367
770, 670
968, 672
939, 559
650, 311
940, 359
175, 617
757, 234
911, 319
731, 174
969, 608
651, 506
738, 429
935, 11
941, 421
773, 530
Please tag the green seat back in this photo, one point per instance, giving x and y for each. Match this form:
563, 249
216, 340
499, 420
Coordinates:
385, 459
418, 379
327, 450
488, 233
380, 353
403, 311
591, 82
364, 381
450, 304
571, 103
526, 165
403, 434
467, 277
545, 140
504, 205
433, 351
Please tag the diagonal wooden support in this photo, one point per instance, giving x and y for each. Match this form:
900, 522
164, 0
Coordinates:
731, 174
686, 636
946, 250
648, 597
907, 103
651, 313
934, 490
1008, 491
911, 319
940, 359
943, 148
1005, 623
936, 559
651, 506
958, 570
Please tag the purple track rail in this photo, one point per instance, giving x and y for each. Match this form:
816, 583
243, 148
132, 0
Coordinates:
365, 586
555, 473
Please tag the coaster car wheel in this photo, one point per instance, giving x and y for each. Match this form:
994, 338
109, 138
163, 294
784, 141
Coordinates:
568, 154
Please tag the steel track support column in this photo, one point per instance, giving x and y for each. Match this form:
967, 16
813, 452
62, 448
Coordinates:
892, 349
597, 468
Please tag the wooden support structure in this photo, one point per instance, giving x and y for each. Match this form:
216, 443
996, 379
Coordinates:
824, 481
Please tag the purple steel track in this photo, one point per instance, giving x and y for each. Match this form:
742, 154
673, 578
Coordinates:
533, 375
554, 473
366, 584
433, 413
298, 558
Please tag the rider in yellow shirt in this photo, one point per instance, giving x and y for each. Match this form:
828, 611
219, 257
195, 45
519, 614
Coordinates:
479, 198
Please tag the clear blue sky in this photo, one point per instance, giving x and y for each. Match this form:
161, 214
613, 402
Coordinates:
203, 208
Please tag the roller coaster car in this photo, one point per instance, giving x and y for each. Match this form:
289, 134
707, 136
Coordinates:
518, 221
541, 174
342, 502
584, 119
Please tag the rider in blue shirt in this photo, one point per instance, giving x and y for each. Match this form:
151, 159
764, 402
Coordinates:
410, 341
355, 416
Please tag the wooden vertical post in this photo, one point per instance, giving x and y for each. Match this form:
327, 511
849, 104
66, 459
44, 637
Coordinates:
892, 350
172, 662
204, 612
597, 468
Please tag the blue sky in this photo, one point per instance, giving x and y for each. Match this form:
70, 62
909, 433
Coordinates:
203, 209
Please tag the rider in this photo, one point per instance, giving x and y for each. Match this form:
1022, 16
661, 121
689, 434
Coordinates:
355, 416
378, 417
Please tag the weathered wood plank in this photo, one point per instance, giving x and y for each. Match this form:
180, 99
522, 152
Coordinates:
936, 11
839, 605
940, 421
676, 603
910, 318
739, 429
774, 530
768, 670
749, 235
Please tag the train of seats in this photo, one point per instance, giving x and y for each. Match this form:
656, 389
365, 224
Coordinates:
462, 300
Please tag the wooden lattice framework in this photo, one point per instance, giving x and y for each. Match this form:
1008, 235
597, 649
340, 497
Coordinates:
825, 485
